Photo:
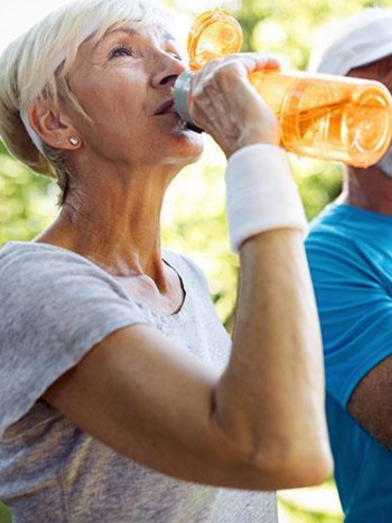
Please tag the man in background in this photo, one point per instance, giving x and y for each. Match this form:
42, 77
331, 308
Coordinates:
350, 255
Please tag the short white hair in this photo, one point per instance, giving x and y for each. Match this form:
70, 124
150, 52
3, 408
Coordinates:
353, 41
36, 64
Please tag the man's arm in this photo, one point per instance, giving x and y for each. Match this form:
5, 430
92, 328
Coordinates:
355, 312
371, 405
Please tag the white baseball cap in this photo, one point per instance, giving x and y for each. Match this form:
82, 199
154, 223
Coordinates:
352, 42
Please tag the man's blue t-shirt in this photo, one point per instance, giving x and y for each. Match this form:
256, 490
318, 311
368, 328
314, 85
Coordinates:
350, 257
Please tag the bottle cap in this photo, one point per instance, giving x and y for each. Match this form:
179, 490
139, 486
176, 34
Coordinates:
212, 35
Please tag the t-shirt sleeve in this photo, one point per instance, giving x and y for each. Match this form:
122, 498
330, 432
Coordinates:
55, 306
355, 310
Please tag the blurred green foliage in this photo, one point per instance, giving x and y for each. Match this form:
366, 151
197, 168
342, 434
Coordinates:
5, 514
194, 213
26, 200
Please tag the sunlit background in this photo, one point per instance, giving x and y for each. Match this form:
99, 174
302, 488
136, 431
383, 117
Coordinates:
194, 215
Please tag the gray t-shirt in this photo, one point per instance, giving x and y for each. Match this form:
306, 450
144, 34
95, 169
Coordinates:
55, 306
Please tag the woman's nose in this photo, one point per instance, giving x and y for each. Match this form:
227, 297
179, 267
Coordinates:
168, 74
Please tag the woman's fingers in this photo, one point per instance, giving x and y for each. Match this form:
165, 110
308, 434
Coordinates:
224, 103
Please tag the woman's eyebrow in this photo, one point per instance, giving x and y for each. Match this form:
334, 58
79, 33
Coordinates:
168, 36
126, 30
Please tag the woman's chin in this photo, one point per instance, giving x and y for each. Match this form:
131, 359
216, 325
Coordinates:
185, 145
189, 141
187, 149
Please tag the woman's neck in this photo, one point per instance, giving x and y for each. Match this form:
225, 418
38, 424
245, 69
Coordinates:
116, 225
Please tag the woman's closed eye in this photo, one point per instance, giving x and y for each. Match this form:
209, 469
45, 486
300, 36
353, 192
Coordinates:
121, 50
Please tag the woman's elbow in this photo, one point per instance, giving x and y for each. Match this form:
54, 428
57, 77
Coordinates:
294, 466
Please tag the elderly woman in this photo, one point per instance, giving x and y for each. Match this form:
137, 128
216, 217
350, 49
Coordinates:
122, 397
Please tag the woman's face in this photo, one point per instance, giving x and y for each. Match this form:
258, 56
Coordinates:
125, 84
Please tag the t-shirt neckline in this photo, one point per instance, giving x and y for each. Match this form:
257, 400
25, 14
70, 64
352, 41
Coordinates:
358, 211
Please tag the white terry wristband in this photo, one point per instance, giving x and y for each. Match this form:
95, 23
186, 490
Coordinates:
261, 193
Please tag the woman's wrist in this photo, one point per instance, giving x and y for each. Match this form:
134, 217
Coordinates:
261, 193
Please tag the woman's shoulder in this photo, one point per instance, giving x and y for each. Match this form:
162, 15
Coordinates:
21, 252
30, 266
20, 260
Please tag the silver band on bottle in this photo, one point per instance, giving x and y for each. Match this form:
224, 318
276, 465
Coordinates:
182, 88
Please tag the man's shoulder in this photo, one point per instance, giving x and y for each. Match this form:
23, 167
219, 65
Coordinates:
337, 251
334, 219
330, 232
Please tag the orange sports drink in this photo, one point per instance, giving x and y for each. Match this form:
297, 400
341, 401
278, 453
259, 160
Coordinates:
322, 116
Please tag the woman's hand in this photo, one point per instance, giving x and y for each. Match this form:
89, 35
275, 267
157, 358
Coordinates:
226, 105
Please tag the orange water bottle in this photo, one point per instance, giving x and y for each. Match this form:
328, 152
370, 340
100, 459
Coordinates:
322, 116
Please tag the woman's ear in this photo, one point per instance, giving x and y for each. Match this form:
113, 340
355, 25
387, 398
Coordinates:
53, 126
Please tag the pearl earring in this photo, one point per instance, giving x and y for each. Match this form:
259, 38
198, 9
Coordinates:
74, 140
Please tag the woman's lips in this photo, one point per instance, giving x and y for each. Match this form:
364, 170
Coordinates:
166, 107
